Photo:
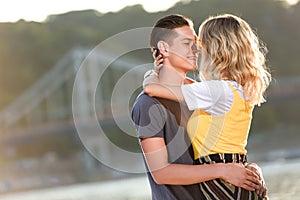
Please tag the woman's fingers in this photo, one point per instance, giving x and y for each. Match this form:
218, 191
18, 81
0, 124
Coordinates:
158, 62
154, 54
158, 67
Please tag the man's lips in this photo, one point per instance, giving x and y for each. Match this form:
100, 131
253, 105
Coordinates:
194, 58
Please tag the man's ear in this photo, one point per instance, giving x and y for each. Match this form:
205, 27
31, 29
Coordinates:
163, 48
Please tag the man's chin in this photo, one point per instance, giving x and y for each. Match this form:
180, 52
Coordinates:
193, 67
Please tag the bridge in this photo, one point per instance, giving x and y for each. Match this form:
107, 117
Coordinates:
97, 85
91, 93
50, 98
84, 89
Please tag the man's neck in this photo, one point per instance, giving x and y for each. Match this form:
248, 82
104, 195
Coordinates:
169, 75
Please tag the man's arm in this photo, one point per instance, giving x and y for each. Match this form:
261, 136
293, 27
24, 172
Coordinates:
149, 120
163, 172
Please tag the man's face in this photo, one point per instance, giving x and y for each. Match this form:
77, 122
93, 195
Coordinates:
183, 53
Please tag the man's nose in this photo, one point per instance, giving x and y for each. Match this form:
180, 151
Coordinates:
195, 49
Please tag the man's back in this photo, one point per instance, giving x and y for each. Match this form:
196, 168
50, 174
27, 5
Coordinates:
166, 119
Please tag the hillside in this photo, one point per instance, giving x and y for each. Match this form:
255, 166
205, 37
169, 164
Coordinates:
30, 49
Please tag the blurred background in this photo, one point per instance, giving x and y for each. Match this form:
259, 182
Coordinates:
41, 152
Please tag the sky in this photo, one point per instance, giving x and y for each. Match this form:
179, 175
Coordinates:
38, 10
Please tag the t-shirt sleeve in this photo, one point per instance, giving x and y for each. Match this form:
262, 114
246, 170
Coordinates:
149, 117
197, 96
214, 97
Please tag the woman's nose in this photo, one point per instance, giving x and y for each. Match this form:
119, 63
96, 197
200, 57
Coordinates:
195, 49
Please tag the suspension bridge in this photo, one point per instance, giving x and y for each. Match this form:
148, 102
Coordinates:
83, 87
87, 88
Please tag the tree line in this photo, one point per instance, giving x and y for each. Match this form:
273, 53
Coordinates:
29, 49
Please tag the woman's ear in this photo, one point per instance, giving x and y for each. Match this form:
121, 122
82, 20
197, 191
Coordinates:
163, 48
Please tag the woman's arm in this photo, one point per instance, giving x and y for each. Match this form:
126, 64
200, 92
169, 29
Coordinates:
164, 91
153, 87
163, 172
159, 63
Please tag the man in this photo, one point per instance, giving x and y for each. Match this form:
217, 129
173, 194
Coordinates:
160, 123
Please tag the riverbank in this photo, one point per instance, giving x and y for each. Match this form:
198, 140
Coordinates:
278, 153
283, 181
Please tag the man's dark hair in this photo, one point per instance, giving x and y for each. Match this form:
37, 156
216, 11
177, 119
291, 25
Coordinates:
163, 28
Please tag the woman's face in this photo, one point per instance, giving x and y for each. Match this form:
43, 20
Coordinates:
204, 65
207, 67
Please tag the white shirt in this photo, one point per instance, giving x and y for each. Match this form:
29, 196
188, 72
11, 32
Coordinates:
214, 97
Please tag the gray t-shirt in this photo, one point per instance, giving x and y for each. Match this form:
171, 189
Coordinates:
156, 117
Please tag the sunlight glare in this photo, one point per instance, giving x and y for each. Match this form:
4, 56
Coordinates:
36, 10
292, 2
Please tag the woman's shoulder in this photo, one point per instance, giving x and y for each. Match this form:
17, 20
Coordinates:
236, 86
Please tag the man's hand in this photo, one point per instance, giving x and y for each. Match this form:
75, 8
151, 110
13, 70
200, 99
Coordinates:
262, 191
240, 176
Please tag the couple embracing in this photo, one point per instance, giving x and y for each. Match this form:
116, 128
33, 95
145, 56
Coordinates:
194, 134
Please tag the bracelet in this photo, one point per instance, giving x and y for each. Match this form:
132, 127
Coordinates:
150, 73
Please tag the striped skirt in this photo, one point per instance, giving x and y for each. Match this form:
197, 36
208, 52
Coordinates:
219, 189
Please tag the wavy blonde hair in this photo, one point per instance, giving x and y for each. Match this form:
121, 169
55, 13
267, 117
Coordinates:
232, 51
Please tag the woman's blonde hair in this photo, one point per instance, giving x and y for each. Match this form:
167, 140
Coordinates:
232, 51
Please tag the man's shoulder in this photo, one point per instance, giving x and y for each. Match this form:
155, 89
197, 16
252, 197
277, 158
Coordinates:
144, 99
